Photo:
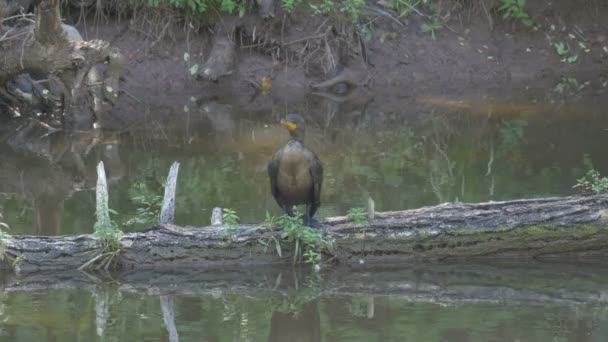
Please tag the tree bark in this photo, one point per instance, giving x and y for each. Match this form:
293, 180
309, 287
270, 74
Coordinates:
532, 228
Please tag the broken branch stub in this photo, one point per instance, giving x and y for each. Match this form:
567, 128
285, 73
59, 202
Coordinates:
101, 196
167, 212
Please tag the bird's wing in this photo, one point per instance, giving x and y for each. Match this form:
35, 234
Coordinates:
316, 170
273, 173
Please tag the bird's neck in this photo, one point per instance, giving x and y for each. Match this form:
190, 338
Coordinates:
297, 137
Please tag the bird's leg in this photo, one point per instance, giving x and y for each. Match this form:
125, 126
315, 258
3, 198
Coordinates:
308, 217
289, 210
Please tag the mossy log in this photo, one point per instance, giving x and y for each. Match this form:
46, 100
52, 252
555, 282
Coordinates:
532, 228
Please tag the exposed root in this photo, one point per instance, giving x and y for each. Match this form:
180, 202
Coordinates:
102, 260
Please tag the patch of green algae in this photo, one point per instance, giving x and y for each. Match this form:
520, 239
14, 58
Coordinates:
473, 241
534, 231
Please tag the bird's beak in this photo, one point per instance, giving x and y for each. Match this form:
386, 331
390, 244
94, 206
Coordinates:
291, 126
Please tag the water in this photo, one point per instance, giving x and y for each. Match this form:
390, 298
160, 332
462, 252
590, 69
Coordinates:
479, 302
440, 150
443, 150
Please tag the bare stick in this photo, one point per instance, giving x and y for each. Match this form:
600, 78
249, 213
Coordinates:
216, 216
167, 212
101, 194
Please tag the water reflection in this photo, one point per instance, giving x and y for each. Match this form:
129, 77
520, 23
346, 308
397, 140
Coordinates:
305, 326
41, 170
503, 301
474, 151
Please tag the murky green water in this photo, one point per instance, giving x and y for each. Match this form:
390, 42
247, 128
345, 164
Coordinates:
454, 150
483, 302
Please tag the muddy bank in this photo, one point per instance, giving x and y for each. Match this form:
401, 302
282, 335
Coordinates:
477, 57
273, 63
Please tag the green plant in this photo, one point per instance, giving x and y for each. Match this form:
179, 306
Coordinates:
405, 7
593, 181
14, 260
148, 204
290, 5
431, 27
202, 6
571, 59
312, 257
109, 236
568, 84
325, 7
358, 216
307, 242
269, 223
230, 220
352, 8
561, 48
515, 9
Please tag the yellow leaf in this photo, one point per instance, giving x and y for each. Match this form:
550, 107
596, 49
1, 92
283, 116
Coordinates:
266, 85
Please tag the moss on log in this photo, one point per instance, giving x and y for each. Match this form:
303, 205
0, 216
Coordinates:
533, 228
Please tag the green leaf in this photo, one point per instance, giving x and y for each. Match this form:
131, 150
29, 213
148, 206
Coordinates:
426, 28
194, 69
572, 59
278, 247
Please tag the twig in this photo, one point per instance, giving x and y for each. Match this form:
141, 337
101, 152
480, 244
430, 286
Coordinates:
6, 34
321, 26
130, 95
304, 39
283, 29
384, 13
22, 15
4, 38
490, 21
22, 52
413, 8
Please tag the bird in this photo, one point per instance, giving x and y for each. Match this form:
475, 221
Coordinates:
296, 173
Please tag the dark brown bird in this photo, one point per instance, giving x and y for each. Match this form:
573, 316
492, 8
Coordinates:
296, 173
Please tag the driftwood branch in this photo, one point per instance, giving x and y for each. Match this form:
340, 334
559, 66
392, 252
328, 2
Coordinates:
534, 228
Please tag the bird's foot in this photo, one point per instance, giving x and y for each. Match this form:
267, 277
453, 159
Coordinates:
311, 222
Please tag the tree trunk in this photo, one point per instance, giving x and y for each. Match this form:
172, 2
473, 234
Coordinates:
533, 228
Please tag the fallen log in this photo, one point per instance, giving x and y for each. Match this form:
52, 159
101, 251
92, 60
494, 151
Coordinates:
534, 228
